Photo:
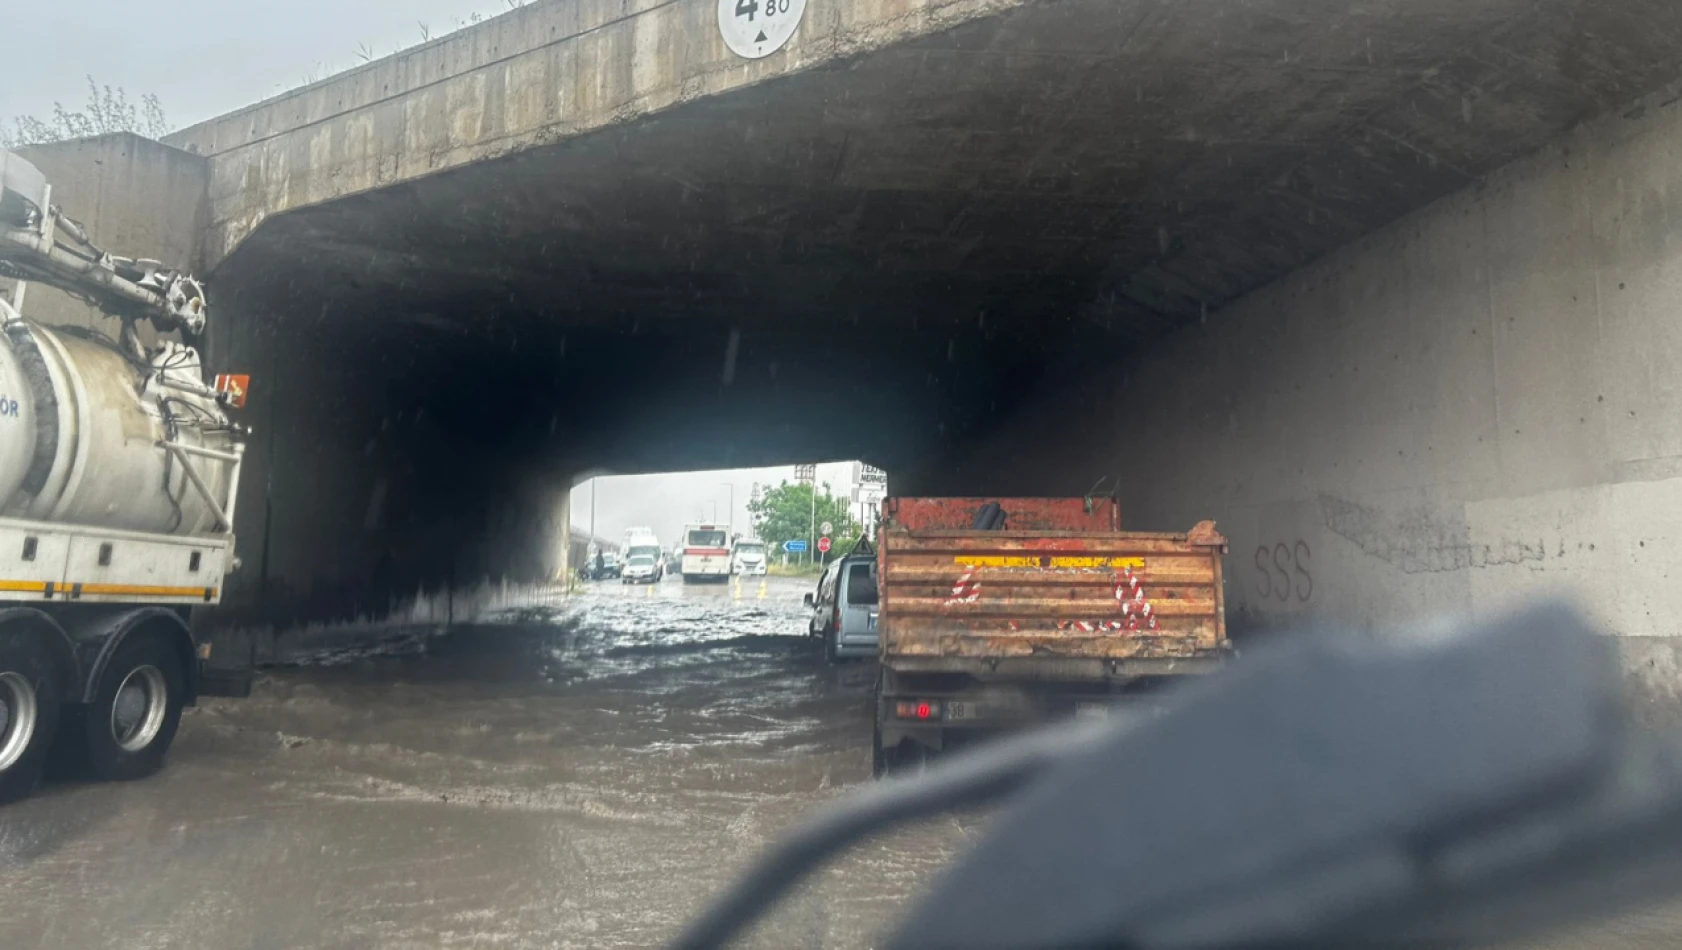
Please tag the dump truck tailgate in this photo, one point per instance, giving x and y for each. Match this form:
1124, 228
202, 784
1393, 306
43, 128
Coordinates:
995, 595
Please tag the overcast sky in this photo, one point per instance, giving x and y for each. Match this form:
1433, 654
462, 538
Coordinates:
201, 58
667, 502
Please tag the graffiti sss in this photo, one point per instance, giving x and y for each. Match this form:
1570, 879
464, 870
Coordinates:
1282, 571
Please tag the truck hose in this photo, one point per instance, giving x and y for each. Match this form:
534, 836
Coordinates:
45, 398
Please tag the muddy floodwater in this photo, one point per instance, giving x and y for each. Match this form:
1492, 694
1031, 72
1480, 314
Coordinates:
582, 775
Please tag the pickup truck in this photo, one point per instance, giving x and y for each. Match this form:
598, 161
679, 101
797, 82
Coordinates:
998, 612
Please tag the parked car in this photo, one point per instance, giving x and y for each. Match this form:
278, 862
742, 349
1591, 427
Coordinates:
844, 608
641, 569
601, 569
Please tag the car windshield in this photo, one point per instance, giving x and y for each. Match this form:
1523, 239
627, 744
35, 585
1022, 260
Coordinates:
1290, 304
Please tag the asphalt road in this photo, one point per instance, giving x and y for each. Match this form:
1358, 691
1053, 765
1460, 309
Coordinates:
582, 775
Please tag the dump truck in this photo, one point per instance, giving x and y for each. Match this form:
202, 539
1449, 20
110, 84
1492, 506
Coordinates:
119, 466
998, 612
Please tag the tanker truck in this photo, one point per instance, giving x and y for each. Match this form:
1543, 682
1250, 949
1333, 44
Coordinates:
119, 466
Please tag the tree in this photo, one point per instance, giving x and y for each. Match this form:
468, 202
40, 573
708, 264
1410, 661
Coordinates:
784, 513
108, 110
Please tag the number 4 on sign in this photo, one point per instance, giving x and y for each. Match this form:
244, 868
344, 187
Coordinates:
747, 8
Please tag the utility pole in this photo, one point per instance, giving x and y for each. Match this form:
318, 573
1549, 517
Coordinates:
730, 513
808, 475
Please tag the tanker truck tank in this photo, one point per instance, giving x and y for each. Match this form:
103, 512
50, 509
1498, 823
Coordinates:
85, 430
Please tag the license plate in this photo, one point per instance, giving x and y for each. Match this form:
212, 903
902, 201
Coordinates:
960, 711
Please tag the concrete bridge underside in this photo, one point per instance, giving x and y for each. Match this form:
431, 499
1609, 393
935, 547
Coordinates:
1121, 164
883, 249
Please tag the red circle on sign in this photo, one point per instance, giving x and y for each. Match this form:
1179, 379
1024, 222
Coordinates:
823, 545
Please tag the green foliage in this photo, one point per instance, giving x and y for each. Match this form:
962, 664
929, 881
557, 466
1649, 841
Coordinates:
107, 110
784, 513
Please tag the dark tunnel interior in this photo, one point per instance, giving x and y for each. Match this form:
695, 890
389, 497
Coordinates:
402, 454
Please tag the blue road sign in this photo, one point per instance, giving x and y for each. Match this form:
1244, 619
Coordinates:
794, 547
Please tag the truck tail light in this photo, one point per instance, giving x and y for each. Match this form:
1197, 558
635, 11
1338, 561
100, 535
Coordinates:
917, 709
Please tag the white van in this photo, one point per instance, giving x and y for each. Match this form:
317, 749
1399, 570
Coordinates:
747, 557
844, 608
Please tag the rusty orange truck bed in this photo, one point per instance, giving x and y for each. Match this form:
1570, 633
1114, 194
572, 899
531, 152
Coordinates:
1047, 609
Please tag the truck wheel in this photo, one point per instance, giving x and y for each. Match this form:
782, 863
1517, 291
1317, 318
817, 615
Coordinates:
888, 759
136, 710
881, 759
831, 645
29, 709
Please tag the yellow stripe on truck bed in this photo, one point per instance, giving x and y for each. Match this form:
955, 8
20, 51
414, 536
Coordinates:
143, 590
1017, 560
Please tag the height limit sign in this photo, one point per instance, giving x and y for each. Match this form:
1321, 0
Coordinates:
756, 28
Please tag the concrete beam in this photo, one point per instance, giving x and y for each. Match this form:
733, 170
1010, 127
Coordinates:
535, 75
1123, 164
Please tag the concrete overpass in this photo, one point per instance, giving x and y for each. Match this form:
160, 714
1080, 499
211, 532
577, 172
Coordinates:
1385, 287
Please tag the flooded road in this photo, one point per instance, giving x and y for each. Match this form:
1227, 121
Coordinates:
582, 775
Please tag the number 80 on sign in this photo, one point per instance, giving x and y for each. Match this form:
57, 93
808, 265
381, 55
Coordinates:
756, 28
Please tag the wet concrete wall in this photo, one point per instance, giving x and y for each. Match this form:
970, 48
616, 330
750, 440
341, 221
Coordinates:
360, 490
1472, 407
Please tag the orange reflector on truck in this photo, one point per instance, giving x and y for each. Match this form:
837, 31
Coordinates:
236, 386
